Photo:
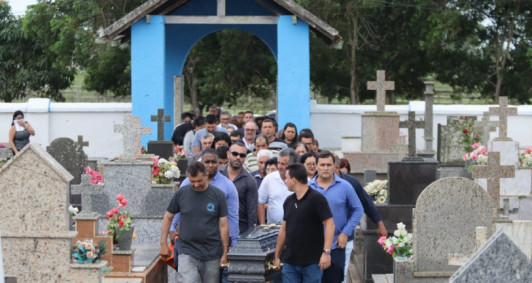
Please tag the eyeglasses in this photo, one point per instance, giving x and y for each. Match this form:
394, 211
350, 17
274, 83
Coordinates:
235, 154
249, 130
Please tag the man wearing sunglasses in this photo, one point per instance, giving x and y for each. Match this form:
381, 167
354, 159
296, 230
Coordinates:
245, 184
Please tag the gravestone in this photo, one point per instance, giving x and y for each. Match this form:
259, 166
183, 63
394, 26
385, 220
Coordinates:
72, 157
499, 260
412, 125
86, 189
484, 127
503, 111
160, 147
131, 131
34, 228
445, 223
428, 152
450, 150
381, 86
369, 176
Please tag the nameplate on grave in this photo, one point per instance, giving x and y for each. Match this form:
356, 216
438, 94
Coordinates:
251, 259
164, 149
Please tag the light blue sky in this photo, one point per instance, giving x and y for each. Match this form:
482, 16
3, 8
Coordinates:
18, 7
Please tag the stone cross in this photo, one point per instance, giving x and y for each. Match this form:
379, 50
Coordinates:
86, 189
81, 142
381, 86
494, 172
485, 126
503, 111
412, 124
131, 131
160, 118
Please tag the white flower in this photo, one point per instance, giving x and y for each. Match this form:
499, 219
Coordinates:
161, 162
397, 233
175, 171
401, 226
403, 233
73, 210
168, 174
401, 245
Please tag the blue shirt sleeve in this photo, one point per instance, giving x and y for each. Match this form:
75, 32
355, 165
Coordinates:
367, 202
356, 211
232, 216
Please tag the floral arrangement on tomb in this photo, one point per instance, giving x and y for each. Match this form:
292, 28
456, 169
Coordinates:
88, 252
400, 244
2, 146
479, 155
143, 150
120, 220
378, 190
179, 152
95, 175
72, 211
468, 136
525, 158
164, 171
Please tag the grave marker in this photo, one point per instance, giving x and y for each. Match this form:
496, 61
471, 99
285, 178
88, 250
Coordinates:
131, 131
485, 126
381, 86
494, 172
428, 134
503, 111
412, 125
87, 189
160, 118
81, 142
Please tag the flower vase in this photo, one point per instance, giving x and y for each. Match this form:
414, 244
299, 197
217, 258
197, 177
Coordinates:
124, 238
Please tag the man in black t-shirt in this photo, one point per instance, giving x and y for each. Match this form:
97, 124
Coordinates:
308, 248
203, 229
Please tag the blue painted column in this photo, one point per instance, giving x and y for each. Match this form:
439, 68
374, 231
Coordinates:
293, 77
148, 71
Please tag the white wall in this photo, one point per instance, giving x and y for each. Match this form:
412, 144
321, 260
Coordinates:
95, 122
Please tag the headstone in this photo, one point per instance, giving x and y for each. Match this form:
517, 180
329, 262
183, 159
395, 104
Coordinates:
160, 147
36, 241
381, 86
446, 216
412, 125
407, 179
428, 133
71, 156
86, 189
369, 176
499, 260
494, 172
160, 118
503, 111
450, 150
484, 127
519, 232
131, 131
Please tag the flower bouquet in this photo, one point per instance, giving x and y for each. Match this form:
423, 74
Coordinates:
525, 158
469, 136
164, 171
479, 156
378, 190
179, 152
143, 150
95, 176
118, 220
88, 252
400, 244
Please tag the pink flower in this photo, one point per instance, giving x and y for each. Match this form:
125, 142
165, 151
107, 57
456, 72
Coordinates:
474, 156
105, 232
122, 203
483, 152
120, 197
528, 150
156, 171
95, 177
155, 161
88, 170
109, 214
390, 249
2, 146
115, 210
381, 241
475, 145
465, 156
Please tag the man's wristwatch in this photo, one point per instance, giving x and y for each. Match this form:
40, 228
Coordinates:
327, 252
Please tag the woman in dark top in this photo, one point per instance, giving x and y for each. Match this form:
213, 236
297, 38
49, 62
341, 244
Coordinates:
289, 135
19, 132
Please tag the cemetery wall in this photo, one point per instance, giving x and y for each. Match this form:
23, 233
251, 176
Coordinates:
95, 121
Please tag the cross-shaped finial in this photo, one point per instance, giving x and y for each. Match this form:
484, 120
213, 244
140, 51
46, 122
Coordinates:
503, 111
381, 86
81, 142
412, 124
494, 172
131, 131
86, 189
160, 118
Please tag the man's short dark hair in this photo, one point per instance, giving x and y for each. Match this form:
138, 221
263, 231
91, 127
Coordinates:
325, 154
298, 171
304, 135
218, 136
211, 119
248, 112
292, 155
199, 121
222, 152
194, 168
307, 130
261, 136
236, 134
271, 121
185, 115
239, 143
210, 151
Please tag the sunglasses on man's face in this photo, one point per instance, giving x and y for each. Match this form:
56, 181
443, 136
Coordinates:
235, 154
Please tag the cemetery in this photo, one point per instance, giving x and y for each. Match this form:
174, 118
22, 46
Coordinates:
84, 203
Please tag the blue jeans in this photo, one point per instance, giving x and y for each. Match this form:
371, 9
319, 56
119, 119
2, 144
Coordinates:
301, 273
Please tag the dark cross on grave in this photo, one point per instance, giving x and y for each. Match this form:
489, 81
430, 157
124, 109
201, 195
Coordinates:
485, 126
81, 142
412, 124
86, 189
131, 131
160, 118
494, 172
503, 111
381, 86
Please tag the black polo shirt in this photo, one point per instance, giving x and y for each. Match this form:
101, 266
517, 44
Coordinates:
304, 228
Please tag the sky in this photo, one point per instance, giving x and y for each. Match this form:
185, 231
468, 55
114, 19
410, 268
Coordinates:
18, 7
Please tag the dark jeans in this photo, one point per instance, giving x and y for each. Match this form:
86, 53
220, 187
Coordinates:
335, 273
301, 273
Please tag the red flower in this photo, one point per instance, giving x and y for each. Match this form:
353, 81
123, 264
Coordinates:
465, 131
122, 217
457, 121
466, 118
115, 210
120, 197
469, 125
109, 214
156, 171
122, 203
120, 223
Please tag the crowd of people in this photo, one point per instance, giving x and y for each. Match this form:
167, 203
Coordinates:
243, 170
